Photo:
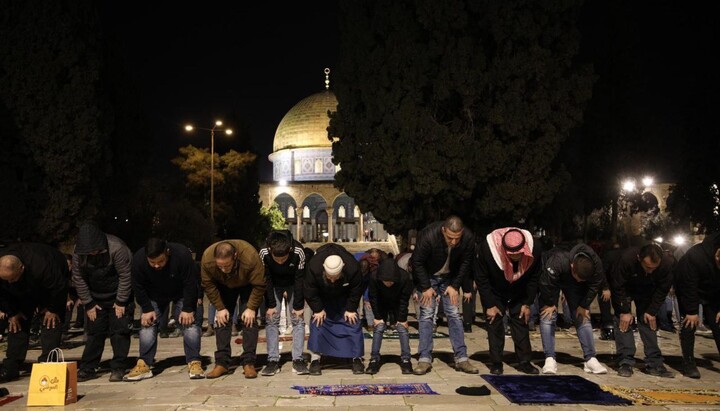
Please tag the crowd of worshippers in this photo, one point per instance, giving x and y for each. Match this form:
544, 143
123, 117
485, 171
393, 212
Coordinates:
448, 268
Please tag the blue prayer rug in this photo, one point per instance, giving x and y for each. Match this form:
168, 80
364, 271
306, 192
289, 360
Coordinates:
552, 389
365, 389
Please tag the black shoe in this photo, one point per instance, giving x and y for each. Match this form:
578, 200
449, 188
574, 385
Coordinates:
116, 375
527, 368
315, 368
88, 374
271, 368
496, 369
406, 367
6, 377
659, 371
467, 328
689, 369
300, 367
358, 367
164, 334
607, 334
373, 367
625, 370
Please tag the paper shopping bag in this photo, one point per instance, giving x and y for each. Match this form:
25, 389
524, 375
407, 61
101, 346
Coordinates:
53, 382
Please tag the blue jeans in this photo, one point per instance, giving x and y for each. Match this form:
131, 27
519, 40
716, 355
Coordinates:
454, 319
211, 315
584, 333
148, 335
378, 338
298, 323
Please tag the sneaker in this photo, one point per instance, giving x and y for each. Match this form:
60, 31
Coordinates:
527, 368
141, 371
625, 370
406, 367
593, 366
175, 333
466, 367
117, 375
300, 367
690, 370
659, 371
550, 366
86, 375
357, 366
373, 367
270, 369
496, 369
315, 368
209, 333
195, 370
422, 368
163, 334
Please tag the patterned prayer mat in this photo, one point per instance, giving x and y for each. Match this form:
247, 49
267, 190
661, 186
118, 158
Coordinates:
396, 336
655, 396
365, 389
8, 399
552, 389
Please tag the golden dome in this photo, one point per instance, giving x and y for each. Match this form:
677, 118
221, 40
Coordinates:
305, 125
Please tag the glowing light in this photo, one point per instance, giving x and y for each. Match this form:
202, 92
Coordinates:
282, 183
679, 240
658, 240
228, 131
188, 128
218, 123
628, 186
647, 181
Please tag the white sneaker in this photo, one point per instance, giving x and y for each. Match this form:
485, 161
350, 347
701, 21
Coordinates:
593, 365
550, 366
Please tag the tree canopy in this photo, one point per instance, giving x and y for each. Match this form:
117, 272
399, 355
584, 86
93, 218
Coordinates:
455, 107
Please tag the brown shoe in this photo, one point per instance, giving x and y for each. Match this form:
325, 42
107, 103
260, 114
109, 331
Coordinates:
249, 371
218, 371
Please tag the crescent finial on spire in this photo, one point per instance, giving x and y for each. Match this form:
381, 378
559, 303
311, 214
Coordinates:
327, 78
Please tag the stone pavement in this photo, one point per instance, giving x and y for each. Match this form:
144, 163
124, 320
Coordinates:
171, 389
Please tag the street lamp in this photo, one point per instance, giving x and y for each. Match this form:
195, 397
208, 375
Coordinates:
218, 127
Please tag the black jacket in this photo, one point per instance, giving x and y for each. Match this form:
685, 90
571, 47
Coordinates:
556, 275
431, 252
628, 281
495, 290
291, 273
44, 283
349, 286
394, 299
178, 279
697, 276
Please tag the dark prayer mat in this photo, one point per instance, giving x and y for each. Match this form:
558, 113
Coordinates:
9, 399
365, 389
552, 389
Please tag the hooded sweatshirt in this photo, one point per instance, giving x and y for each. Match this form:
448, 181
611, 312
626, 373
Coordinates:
697, 276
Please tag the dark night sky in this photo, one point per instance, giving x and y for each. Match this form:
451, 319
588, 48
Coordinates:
249, 64
245, 63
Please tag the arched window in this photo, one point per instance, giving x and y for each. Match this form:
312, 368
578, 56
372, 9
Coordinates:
291, 212
298, 167
306, 212
341, 212
318, 166
356, 212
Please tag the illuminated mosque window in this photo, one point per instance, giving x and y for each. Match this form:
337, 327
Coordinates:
291, 212
306, 212
341, 212
318, 166
298, 167
356, 212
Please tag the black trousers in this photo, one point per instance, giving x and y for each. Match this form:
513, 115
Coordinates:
625, 341
468, 308
18, 343
107, 324
223, 353
606, 317
687, 336
520, 334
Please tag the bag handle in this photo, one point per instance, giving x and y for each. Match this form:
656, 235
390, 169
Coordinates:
56, 355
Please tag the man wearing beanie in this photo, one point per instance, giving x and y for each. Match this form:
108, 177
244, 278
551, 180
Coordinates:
102, 276
697, 281
230, 269
333, 287
507, 269
32, 277
441, 261
389, 294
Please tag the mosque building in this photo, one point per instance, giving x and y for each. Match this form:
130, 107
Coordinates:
303, 174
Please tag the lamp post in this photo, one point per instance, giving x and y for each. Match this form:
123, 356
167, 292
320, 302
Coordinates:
217, 126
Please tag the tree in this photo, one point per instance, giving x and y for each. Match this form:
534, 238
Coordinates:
52, 107
456, 107
237, 206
